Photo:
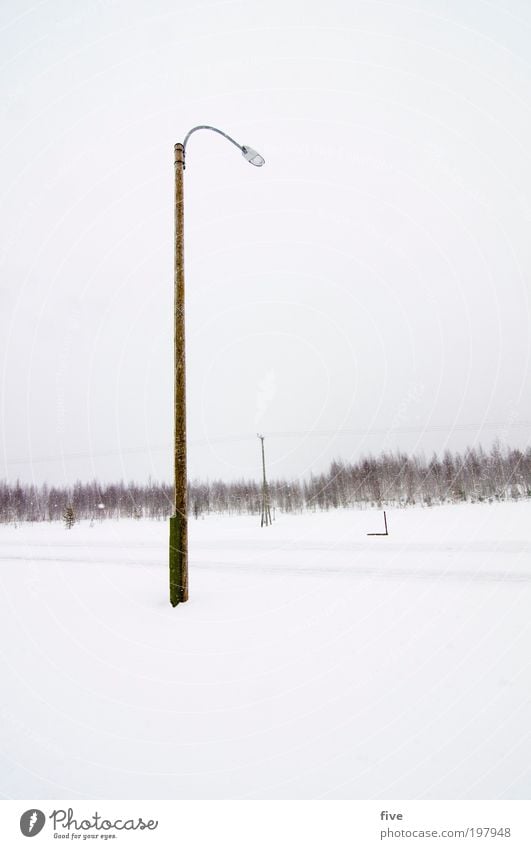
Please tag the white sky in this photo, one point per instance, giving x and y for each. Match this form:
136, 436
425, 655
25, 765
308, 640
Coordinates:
373, 277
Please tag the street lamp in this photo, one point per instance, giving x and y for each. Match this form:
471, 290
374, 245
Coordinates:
179, 522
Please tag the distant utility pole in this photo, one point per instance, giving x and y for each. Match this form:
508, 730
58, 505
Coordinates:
265, 518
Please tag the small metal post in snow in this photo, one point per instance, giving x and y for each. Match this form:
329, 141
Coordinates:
380, 534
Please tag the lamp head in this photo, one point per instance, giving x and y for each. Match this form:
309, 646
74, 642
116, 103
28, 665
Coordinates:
252, 156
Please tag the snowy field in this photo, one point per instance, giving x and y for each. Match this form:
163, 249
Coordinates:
311, 661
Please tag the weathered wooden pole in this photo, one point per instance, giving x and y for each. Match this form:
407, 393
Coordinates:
179, 522
178, 554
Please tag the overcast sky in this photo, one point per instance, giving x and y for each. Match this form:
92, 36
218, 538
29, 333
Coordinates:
367, 288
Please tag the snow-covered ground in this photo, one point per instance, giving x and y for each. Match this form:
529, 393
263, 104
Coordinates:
311, 661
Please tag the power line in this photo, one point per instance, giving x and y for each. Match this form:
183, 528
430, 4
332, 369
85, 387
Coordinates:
288, 434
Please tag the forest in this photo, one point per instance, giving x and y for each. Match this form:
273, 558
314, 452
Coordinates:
390, 479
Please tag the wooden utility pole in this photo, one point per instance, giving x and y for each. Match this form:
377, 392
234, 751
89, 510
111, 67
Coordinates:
265, 518
178, 555
179, 522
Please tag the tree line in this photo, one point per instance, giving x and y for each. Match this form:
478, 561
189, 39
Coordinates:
392, 479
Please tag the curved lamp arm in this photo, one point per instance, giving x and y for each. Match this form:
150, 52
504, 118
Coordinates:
250, 155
